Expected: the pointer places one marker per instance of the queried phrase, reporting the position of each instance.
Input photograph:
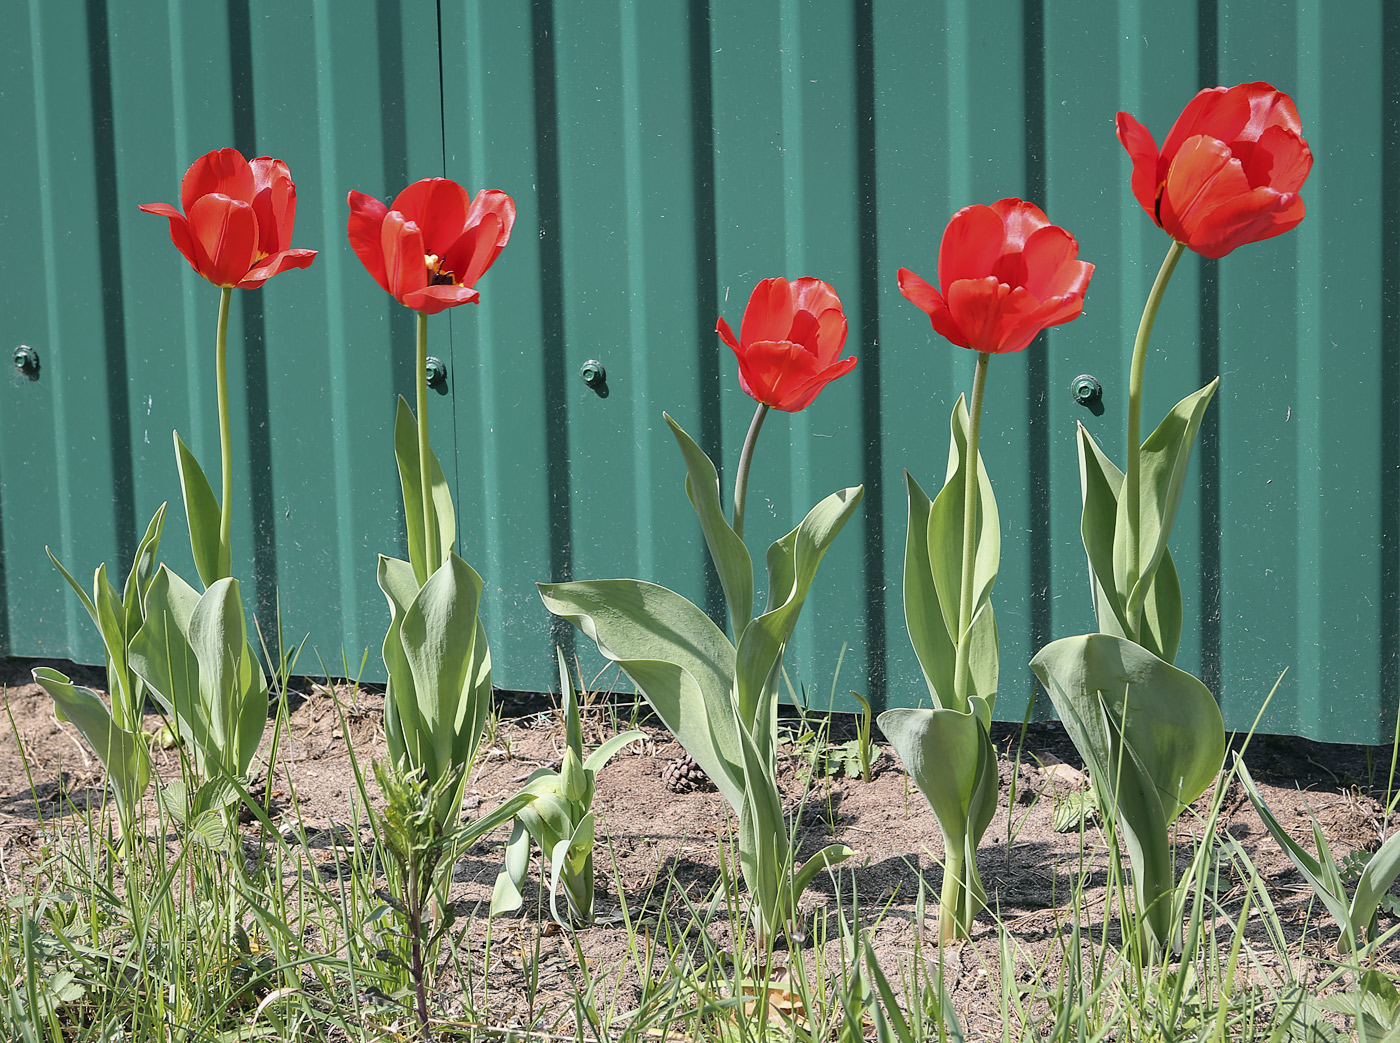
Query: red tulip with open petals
(1229, 172)
(236, 229)
(430, 245)
(1006, 273)
(789, 341)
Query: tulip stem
(425, 470)
(1134, 477)
(962, 682)
(741, 476)
(225, 438)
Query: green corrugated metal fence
(665, 155)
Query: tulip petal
(223, 172)
(1249, 218)
(1019, 220)
(1050, 269)
(1280, 160)
(475, 252)
(405, 265)
(919, 292)
(768, 316)
(225, 234)
(494, 201)
(1142, 149)
(179, 229)
(365, 229)
(726, 334)
(1216, 112)
(439, 208)
(275, 202)
(802, 396)
(1202, 175)
(276, 265)
(432, 299)
(985, 309)
(972, 243)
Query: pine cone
(683, 775)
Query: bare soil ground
(649, 836)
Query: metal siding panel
(503, 497)
(1092, 73)
(596, 140)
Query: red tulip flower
(789, 342)
(429, 246)
(236, 229)
(1006, 273)
(1229, 172)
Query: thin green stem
(225, 438)
(962, 667)
(741, 476)
(431, 550)
(1134, 475)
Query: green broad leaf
(143, 568)
(727, 550)
(1160, 629)
(598, 759)
(212, 558)
(77, 589)
(1165, 458)
(945, 528)
(123, 753)
(506, 896)
(983, 661)
(573, 724)
(233, 691)
(950, 757)
(1153, 740)
(679, 660)
(161, 655)
(445, 646)
(923, 614)
(820, 862)
(403, 727)
(411, 483)
(763, 834)
(1380, 872)
(792, 566)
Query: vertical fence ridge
(702, 146)
(1389, 672)
(1038, 355)
(1208, 438)
(871, 425)
(556, 415)
(110, 264)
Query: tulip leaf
(1159, 629)
(1153, 740)
(161, 655)
(945, 528)
(506, 896)
(193, 653)
(923, 614)
(143, 567)
(792, 566)
(951, 759)
(727, 550)
(212, 558)
(445, 648)
(1164, 460)
(403, 727)
(679, 660)
(233, 691)
(122, 752)
(411, 483)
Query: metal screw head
(593, 373)
(436, 370)
(1086, 389)
(26, 360)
